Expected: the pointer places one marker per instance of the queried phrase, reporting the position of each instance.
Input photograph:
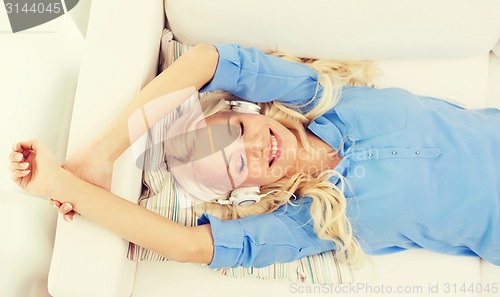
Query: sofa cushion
(337, 29)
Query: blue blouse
(424, 173)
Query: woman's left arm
(36, 170)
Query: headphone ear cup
(245, 196)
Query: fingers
(22, 150)
(16, 156)
(55, 203)
(18, 166)
(26, 145)
(17, 174)
(66, 209)
(69, 217)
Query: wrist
(57, 184)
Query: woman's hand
(34, 167)
(92, 164)
(66, 209)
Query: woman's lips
(270, 147)
(278, 147)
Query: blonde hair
(328, 207)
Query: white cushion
(462, 81)
(383, 29)
(416, 268)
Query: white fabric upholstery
(382, 29)
(496, 49)
(494, 81)
(39, 70)
(38, 75)
(464, 81)
(27, 227)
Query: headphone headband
(244, 106)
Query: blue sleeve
(261, 240)
(252, 75)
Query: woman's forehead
(216, 118)
(215, 136)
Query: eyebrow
(229, 131)
(211, 139)
(229, 124)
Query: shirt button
(394, 153)
(417, 153)
(370, 155)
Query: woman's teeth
(274, 147)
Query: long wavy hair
(328, 207)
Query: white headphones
(243, 197)
(249, 195)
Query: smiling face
(237, 150)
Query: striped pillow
(162, 196)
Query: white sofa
(39, 70)
(440, 49)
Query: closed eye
(242, 127)
(242, 168)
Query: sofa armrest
(496, 49)
(38, 77)
(494, 79)
(120, 57)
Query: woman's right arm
(246, 72)
(94, 162)
(193, 69)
